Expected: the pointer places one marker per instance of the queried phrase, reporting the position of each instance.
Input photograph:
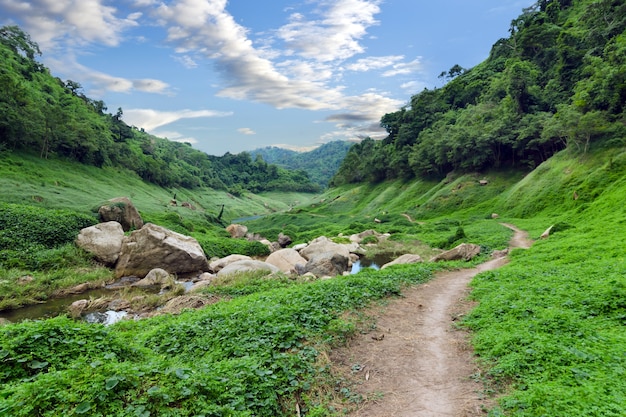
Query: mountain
(558, 81)
(320, 164)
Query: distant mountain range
(321, 164)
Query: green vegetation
(53, 118)
(558, 80)
(321, 163)
(548, 328)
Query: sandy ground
(415, 362)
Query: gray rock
(327, 264)
(157, 277)
(154, 246)
(123, 211)
(237, 230)
(247, 266)
(103, 241)
(284, 240)
(404, 259)
(217, 266)
(286, 260)
(323, 245)
(465, 251)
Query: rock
(327, 264)
(300, 246)
(77, 289)
(465, 251)
(25, 279)
(217, 266)
(546, 234)
(252, 265)
(188, 205)
(157, 277)
(204, 280)
(404, 259)
(78, 307)
(358, 237)
(237, 230)
(377, 221)
(495, 215)
(4, 322)
(286, 260)
(284, 240)
(483, 182)
(323, 245)
(118, 305)
(499, 253)
(205, 276)
(123, 211)
(183, 302)
(154, 246)
(103, 241)
(274, 246)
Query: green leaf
(4, 353)
(181, 373)
(83, 407)
(35, 364)
(112, 382)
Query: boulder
(465, 251)
(252, 265)
(358, 237)
(237, 230)
(327, 264)
(217, 266)
(404, 259)
(323, 245)
(123, 211)
(284, 240)
(300, 246)
(103, 241)
(155, 278)
(154, 246)
(500, 253)
(78, 307)
(286, 260)
(184, 302)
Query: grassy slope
(550, 323)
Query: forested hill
(42, 114)
(321, 163)
(558, 81)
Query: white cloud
(175, 136)
(151, 119)
(296, 148)
(414, 86)
(404, 68)
(246, 131)
(186, 61)
(335, 35)
(374, 63)
(73, 21)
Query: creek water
(374, 262)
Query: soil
(416, 362)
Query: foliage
(558, 81)
(53, 118)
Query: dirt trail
(415, 363)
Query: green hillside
(534, 136)
(321, 164)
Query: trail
(415, 363)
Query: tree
(19, 41)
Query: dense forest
(321, 163)
(558, 81)
(54, 118)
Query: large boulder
(327, 264)
(287, 260)
(237, 230)
(218, 265)
(103, 240)
(252, 265)
(323, 245)
(123, 211)
(408, 258)
(464, 251)
(154, 246)
(284, 240)
(156, 278)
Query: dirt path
(415, 363)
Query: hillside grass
(548, 329)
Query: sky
(233, 76)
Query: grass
(548, 329)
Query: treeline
(321, 163)
(44, 114)
(558, 81)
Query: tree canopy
(44, 114)
(558, 81)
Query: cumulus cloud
(404, 68)
(150, 119)
(246, 131)
(73, 21)
(374, 63)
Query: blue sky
(230, 76)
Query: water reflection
(106, 318)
